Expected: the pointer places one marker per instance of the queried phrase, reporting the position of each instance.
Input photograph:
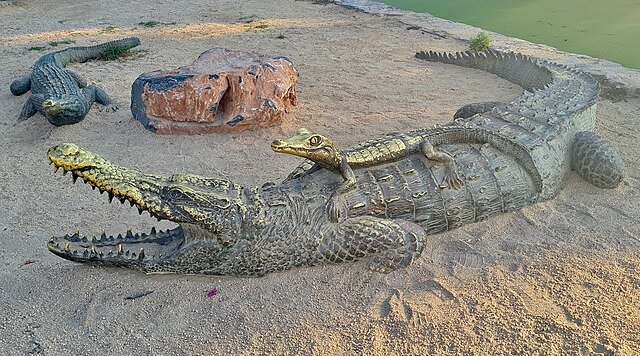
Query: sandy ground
(557, 277)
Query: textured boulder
(221, 91)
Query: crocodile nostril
(277, 143)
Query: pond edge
(617, 82)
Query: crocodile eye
(315, 140)
(175, 193)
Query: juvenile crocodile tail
(85, 53)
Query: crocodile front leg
(452, 178)
(94, 94)
(336, 206)
(391, 244)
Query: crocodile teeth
(141, 254)
(74, 177)
(55, 169)
(110, 197)
(120, 249)
(67, 247)
(64, 172)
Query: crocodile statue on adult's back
(63, 96)
(225, 228)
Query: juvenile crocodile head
(210, 214)
(66, 110)
(313, 146)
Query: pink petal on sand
(212, 292)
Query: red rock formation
(221, 91)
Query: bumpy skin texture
(516, 154)
(61, 95)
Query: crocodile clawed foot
(336, 209)
(109, 108)
(452, 180)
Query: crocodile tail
(85, 53)
(555, 91)
(514, 67)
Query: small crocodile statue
(324, 153)
(59, 94)
(227, 229)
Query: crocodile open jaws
(225, 229)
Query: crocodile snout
(278, 144)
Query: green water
(600, 28)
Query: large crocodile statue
(226, 229)
(63, 96)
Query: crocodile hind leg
(95, 94)
(475, 108)
(596, 161)
(391, 244)
(451, 178)
(20, 86)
